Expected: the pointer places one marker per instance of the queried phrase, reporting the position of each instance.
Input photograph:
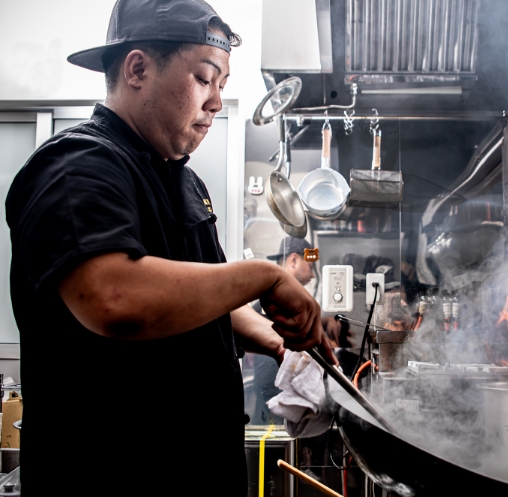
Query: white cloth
(303, 401)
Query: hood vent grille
(416, 41)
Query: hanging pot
(281, 196)
(324, 191)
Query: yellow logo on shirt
(208, 205)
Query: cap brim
(90, 58)
(274, 257)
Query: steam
(456, 419)
(450, 423)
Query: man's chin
(190, 147)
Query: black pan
(396, 465)
(405, 470)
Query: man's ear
(135, 68)
(292, 260)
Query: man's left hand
(332, 329)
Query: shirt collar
(103, 115)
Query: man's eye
(204, 81)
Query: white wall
(37, 36)
(246, 83)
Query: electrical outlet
(369, 294)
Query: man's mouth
(202, 127)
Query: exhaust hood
(415, 54)
(400, 42)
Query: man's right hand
(296, 316)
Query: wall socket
(370, 290)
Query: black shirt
(116, 412)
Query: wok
(406, 470)
(393, 463)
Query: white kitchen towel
(303, 402)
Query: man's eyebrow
(210, 62)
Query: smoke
(446, 411)
(447, 418)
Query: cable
(418, 322)
(330, 452)
(364, 366)
(366, 332)
(344, 477)
(328, 444)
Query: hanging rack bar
(302, 119)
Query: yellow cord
(262, 460)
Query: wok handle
(307, 479)
(376, 157)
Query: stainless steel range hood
(412, 44)
(413, 52)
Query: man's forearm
(149, 298)
(255, 333)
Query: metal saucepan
(324, 191)
(281, 196)
(294, 231)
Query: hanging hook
(348, 122)
(326, 124)
(374, 122)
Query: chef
(129, 315)
(290, 257)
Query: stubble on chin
(189, 147)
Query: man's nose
(214, 102)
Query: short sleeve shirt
(93, 189)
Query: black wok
(405, 470)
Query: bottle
(447, 309)
(422, 309)
(455, 310)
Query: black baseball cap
(154, 20)
(290, 245)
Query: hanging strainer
(375, 187)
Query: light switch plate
(337, 288)
(370, 290)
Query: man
(125, 305)
(290, 257)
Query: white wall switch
(370, 290)
(337, 288)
